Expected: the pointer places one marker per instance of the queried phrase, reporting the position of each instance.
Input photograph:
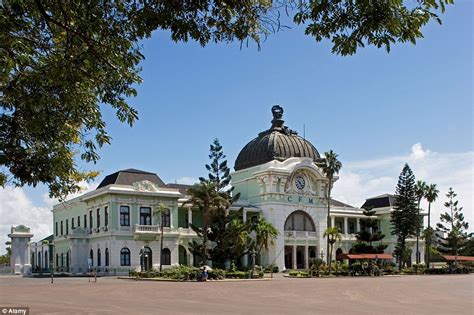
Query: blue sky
(371, 108)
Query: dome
(277, 143)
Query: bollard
(95, 276)
(52, 277)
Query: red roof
(459, 258)
(368, 256)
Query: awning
(459, 258)
(367, 256)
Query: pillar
(358, 224)
(294, 257)
(244, 216)
(345, 226)
(306, 257)
(333, 219)
(190, 217)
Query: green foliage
(62, 61)
(265, 234)
(468, 249)
(368, 235)
(353, 24)
(272, 268)
(333, 236)
(299, 274)
(219, 172)
(236, 275)
(405, 213)
(453, 226)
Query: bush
(216, 274)
(236, 274)
(299, 274)
(181, 273)
(272, 268)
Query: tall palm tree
(207, 199)
(160, 210)
(334, 235)
(265, 233)
(420, 191)
(431, 195)
(330, 166)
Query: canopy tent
(458, 258)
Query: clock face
(299, 182)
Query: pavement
(436, 294)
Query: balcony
(146, 232)
(301, 235)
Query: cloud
(16, 208)
(187, 180)
(364, 179)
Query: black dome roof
(277, 143)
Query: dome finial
(277, 121)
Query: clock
(300, 182)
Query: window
(124, 257)
(78, 220)
(72, 223)
(339, 226)
(124, 215)
(91, 224)
(98, 218)
(91, 257)
(62, 259)
(57, 260)
(166, 256)
(67, 259)
(351, 228)
(67, 226)
(299, 221)
(56, 229)
(62, 231)
(106, 216)
(99, 258)
(166, 218)
(145, 216)
(106, 256)
(85, 221)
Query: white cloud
(16, 208)
(187, 180)
(364, 179)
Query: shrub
(216, 274)
(300, 274)
(236, 274)
(181, 273)
(272, 268)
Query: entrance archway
(339, 253)
(183, 255)
(146, 258)
(299, 229)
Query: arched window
(99, 258)
(57, 260)
(91, 257)
(67, 259)
(124, 257)
(299, 221)
(166, 257)
(106, 256)
(62, 259)
(166, 218)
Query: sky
(376, 110)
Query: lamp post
(321, 254)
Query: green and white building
(116, 227)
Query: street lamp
(321, 254)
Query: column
(345, 226)
(358, 224)
(333, 221)
(244, 216)
(294, 257)
(190, 217)
(245, 259)
(306, 257)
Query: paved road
(383, 295)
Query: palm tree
(420, 191)
(330, 166)
(160, 210)
(431, 195)
(206, 198)
(265, 233)
(333, 236)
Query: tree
(265, 234)
(468, 249)
(333, 235)
(207, 200)
(330, 166)
(368, 235)
(62, 62)
(219, 172)
(405, 213)
(453, 227)
(160, 210)
(421, 189)
(431, 196)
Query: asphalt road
(446, 294)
